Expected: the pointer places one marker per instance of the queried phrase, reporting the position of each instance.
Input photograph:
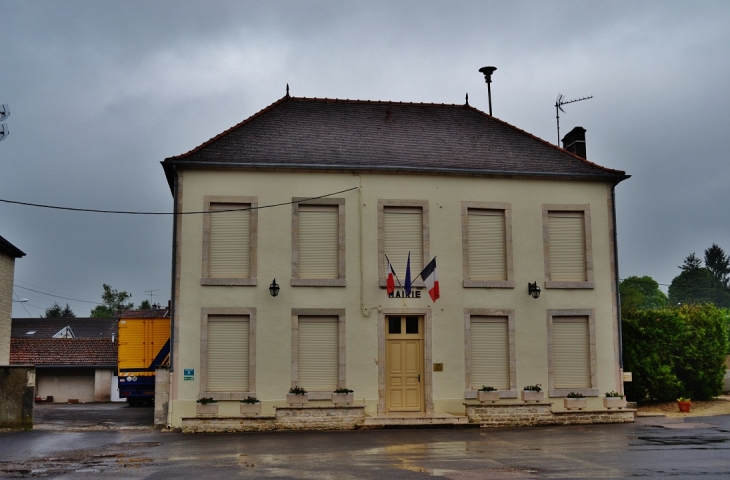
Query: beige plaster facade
(7, 271)
(360, 298)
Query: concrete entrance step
(416, 419)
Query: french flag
(389, 277)
(431, 279)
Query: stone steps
(412, 420)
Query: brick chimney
(575, 141)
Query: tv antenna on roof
(151, 293)
(559, 102)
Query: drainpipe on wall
(618, 294)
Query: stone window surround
(586, 209)
(489, 312)
(509, 282)
(427, 353)
(231, 311)
(341, 347)
(423, 204)
(206, 279)
(563, 392)
(340, 281)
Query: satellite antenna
(559, 102)
(4, 113)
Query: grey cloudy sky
(101, 92)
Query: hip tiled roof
(63, 351)
(296, 133)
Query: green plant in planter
(614, 394)
(343, 391)
(486, 388)
(250, 400)
(533, 388)
(684, 399)
(575, 395)
(297, 391)
(206, 400)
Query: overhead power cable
(57, 296)
(125, 212)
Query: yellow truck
(144, 345)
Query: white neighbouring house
(315, 192)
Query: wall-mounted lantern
(274, 288)
(533, 290)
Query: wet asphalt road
(59, 416)
(650, 448)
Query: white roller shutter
(230, 240)
(318, 241)
(403, 232)
(567, 246)
(318, 353)
(489, 352)
(486, 245)
(571, 353)
(227, 354)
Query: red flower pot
(684, 406)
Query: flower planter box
(292, 399)
(684, 406)
(207, 409)
(343, 398)
(575, 403)
(614, 402)
(251, 408)
(531, 396)
(484, 397)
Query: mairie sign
(401, 293)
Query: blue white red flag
(431, 279)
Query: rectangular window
(229, 241)
(318, 242)
(228, 353)
(318, 351)
(568, 252)
(487, 244)
(403, 228)
(571, 352)
(489, 352)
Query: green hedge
(675, 352)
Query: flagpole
(394, 274)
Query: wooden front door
(404, 364)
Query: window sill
(472, 394)
(567, 285)
(563, 392)
(489, 284)
(318, 282)
(221, 396)
(228, 281)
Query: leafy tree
(56, 311)
(113, 300)
(641, 293)
(718, 263)
(691, 263)
(67, 312)
(145, 305)
(698, 286)
(675, 352)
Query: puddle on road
(685, 440)
(80, 461)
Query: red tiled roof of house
(333, 134)
(63, 351)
